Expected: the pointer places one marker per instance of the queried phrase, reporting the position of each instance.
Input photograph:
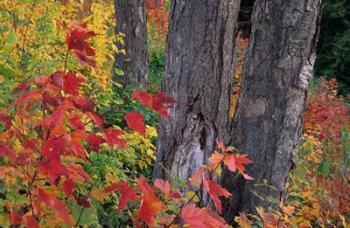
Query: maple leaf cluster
(155, 209)
(157, 16)
(326, 114)
(76, 41)
(50, 131)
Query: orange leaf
(237, 162)
(215, 159)
(150, 203)
(201, 217)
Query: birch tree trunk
(131, 20)
(269, 116)
(198, 73)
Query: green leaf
(11, 38)
(346, 143)
(118, 72)
(88, 216)
(323, 169)
(6, 72)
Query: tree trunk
(131, 20)
(198, 73)
(268, 120)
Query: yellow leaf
(192, 195)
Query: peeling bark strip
(131, 20)
(198, 73)
(268, 121)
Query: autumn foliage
(157, 17)
(50, 132)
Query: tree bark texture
(268, 121)
(131, 21)
(198, 73)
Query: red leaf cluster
(76, 41)
(150, 203)
(135, 122)
(159, 102)
(157, 16)
(127, 193)
(61, 209)
(326, 114)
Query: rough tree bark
(268, 120)
(131, 20)
(198, 73)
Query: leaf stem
(80, 215)
(66, 61)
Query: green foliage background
(333, 53)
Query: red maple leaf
(143, 97)
(68, 187)
(98, 120)
(150, 203)
(72, 83)
(6, 150)
(61, 209)
(215, 190)
(30, 144)
(5, 119)
(76, 40)
(21, 87)
(84, 58)
(30, 222)
(41, 80)
(50, 100)
(159, 102)
(55, 119)
(127, 193)
(53, 148)
(135, 122)
(113, 138)
(95, 141)
(33, 95)
(15, 217)
(83, 104)
(75, 121)
(56, 79)
(76, 172)
(68, 82)
(54, 169)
